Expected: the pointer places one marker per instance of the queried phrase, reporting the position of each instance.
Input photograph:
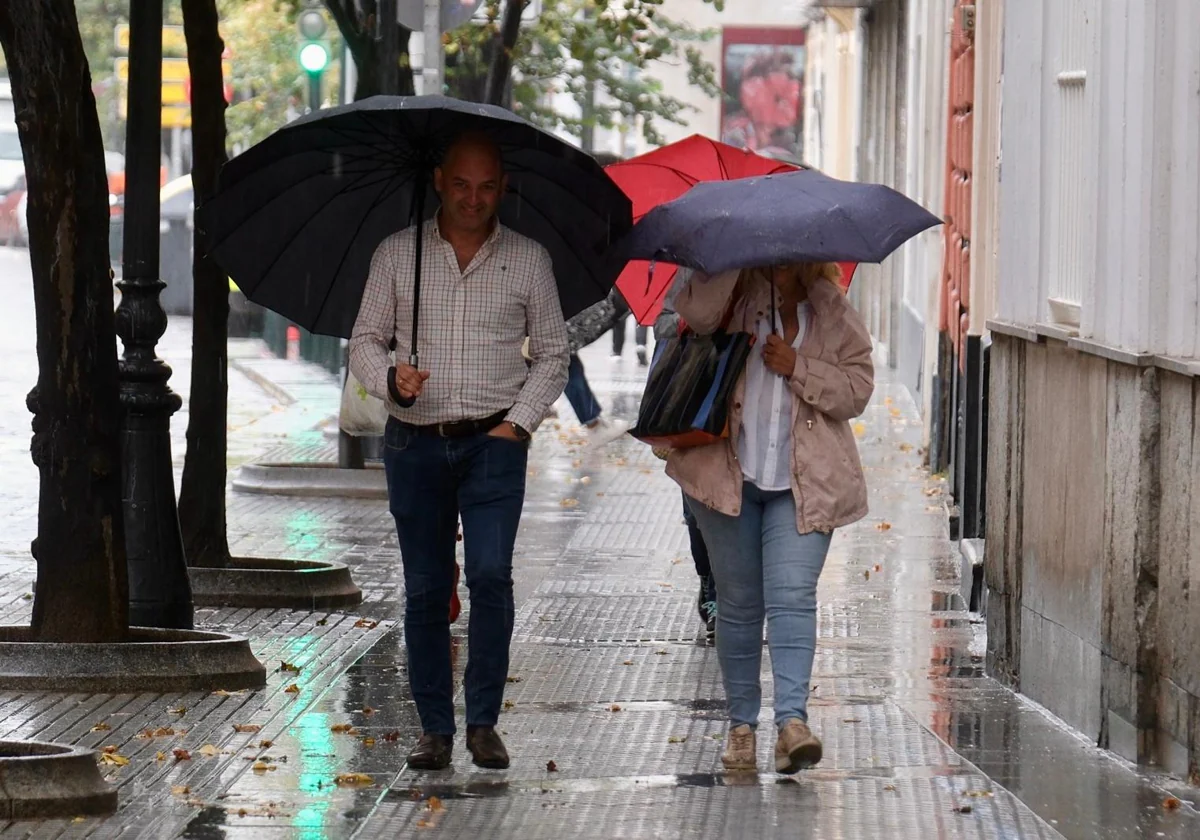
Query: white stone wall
(1100, 191)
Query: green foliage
(600, 52)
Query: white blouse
(765, 437)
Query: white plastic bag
(361, 415)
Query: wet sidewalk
(614, 704)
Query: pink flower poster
(762, 72)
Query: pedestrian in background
(640, 333)
(769, 497)
(461, 447)
(666, 327)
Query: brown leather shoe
(797, 748)
(486, 747)
(432, 752)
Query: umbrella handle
(408, 402)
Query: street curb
(276, 391)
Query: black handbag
(686, 400)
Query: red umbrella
(664, 175)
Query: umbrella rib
(286, 245)
(215, 245)
(384, 195)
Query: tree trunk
(356, 21)
(501, 68)
(202, 493)
(82, 591)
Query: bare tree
(202, 493)
(82, 589)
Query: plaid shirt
(472, 326)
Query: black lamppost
(159, 592)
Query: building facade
(1093, 525)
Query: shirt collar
(494, 237)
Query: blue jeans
(579, 393)
(431, 482)
(764, 569)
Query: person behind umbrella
(461, 448)
(769, 497)
(666, 327)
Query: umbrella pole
(414, 358)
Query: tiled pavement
(611, 684)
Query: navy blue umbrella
(773, 219)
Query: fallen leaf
(662, 652)
(551, 767)
(109, 750)
(614, 708)
(884, 526)
(458, 537)
(889, 787)
(979, 794)
(392, 737)
(1171, 803)
(895, 412)
(620, 462)
(160, 756)
(569, 503)
(101, 727)
(627, 662)
(28, 596)
(677, 739)
(289, 668)
(906, 447)
(964, 808)
(587, 479)
(508, 704)
(178, 710)
(368, 741)
(866, 574)
(321, 622)
(342, 729)
(265, 745)
(209, 750)
(220, 692)
(181, 755)
(368, 711)
(180, 790)
(851, 720)
(366, 624)
(261, 767)
(353, 780)
(577, 463)
(292, 689)
(932, 491)
(879, 567)
(513, 679)
(434, 804)
(887, 401)
(246, 727)
(114, 759)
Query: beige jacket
(832, 383)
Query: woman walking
(768, 498)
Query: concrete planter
(288, 584)
(312, 479)
(40, 780)
(153, 660)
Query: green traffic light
(314, 57)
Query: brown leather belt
(459, 428)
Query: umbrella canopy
(664, 175)
(795, 217)
(297, 218)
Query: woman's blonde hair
(807, 272)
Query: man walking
(461, 447)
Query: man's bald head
(471, 183)
(473, 144)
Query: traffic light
(314, 49)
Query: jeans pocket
(396, 437)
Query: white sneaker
(605, 431)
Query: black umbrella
(297, 218)
(792, 217)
